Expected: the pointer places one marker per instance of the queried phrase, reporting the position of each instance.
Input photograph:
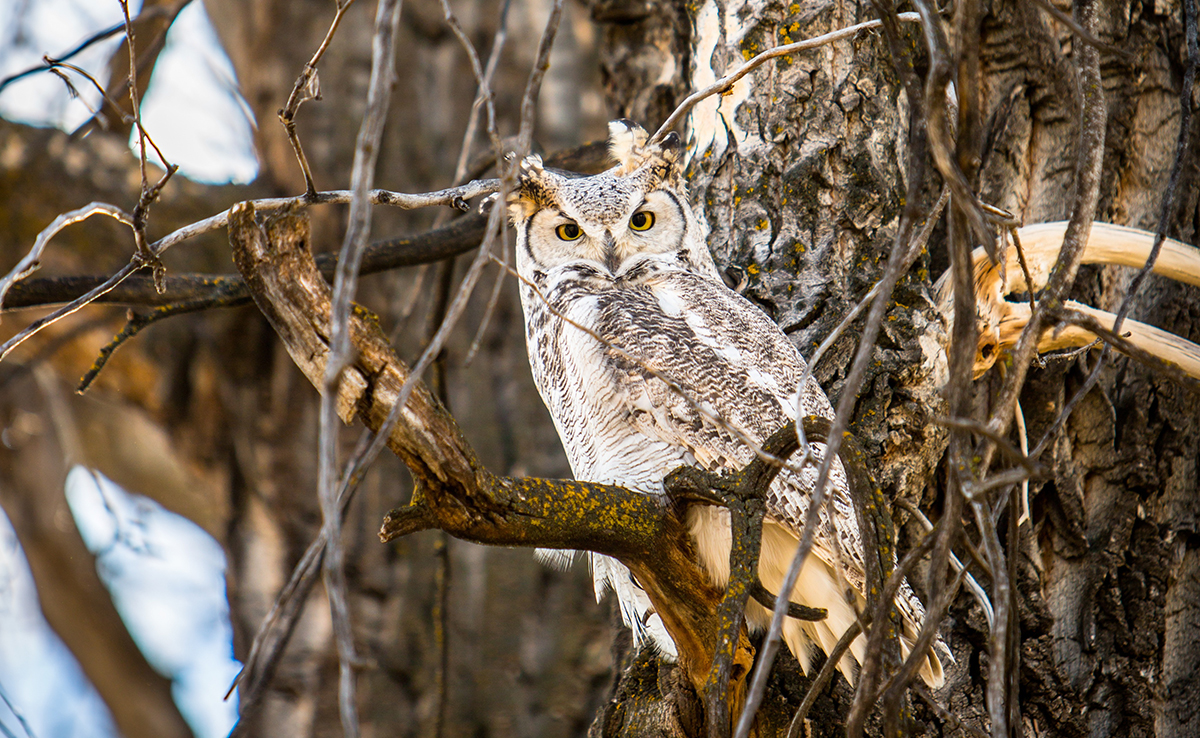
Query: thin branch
(533, 87)
(32, 261)
(53, 65)
(358, 229)
(308, 87)
(16, 713)
(853, 383)
(744, 494)
(48, 62)
(149, 193)
(981, 595)
(947, 716)
(69, 309)
(725, 83)
(1092, 325)
(1088, 170)
(276, 629)
(914, 250)
(483, 78)
(1082, 33)
(895, 688)
(381, 256)
(865, 692)
(821, 680)
(998, 639)
(483, 98)
(135, 324)
(1182, 145)
(766, 598)
(973, 426)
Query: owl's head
(636, 210)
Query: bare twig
(977, 590)
(1016, 238)
(1082, 33)
(854, 379)
(1092, 325)
(895, 688)
(16, 713)
(308, 87)
(1001, 442)
(914, 250)
(454, 196)
(949, 717)
(53, 65)
(493, 301)
(483, 77)
(821, 680)
(1093, 122)
(998, 639)
(68, 309)
(726, 82)
(275, 630)
(534, 86)
(149, 193)
(366, 153)
(31, 261)
(880, 626)
(483, 98)
(48, 62)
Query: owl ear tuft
(630, 145)
(531, 166)
(532, 190)
(671, 147)
(627, 144)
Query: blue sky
(191, 108)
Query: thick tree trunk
(800, 171)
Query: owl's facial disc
(634, 227)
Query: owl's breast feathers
(674, 368)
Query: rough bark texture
(800, 174)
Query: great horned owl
(622, 299)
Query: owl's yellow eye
(641, 220)
(569, 232)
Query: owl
(622, 300)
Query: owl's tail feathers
(818, 586)
(931, 671)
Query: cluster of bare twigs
(977, 499)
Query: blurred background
(189, 467)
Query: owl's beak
(610, 253)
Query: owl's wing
(699, 367)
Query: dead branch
(458, 237)
(308, 87)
